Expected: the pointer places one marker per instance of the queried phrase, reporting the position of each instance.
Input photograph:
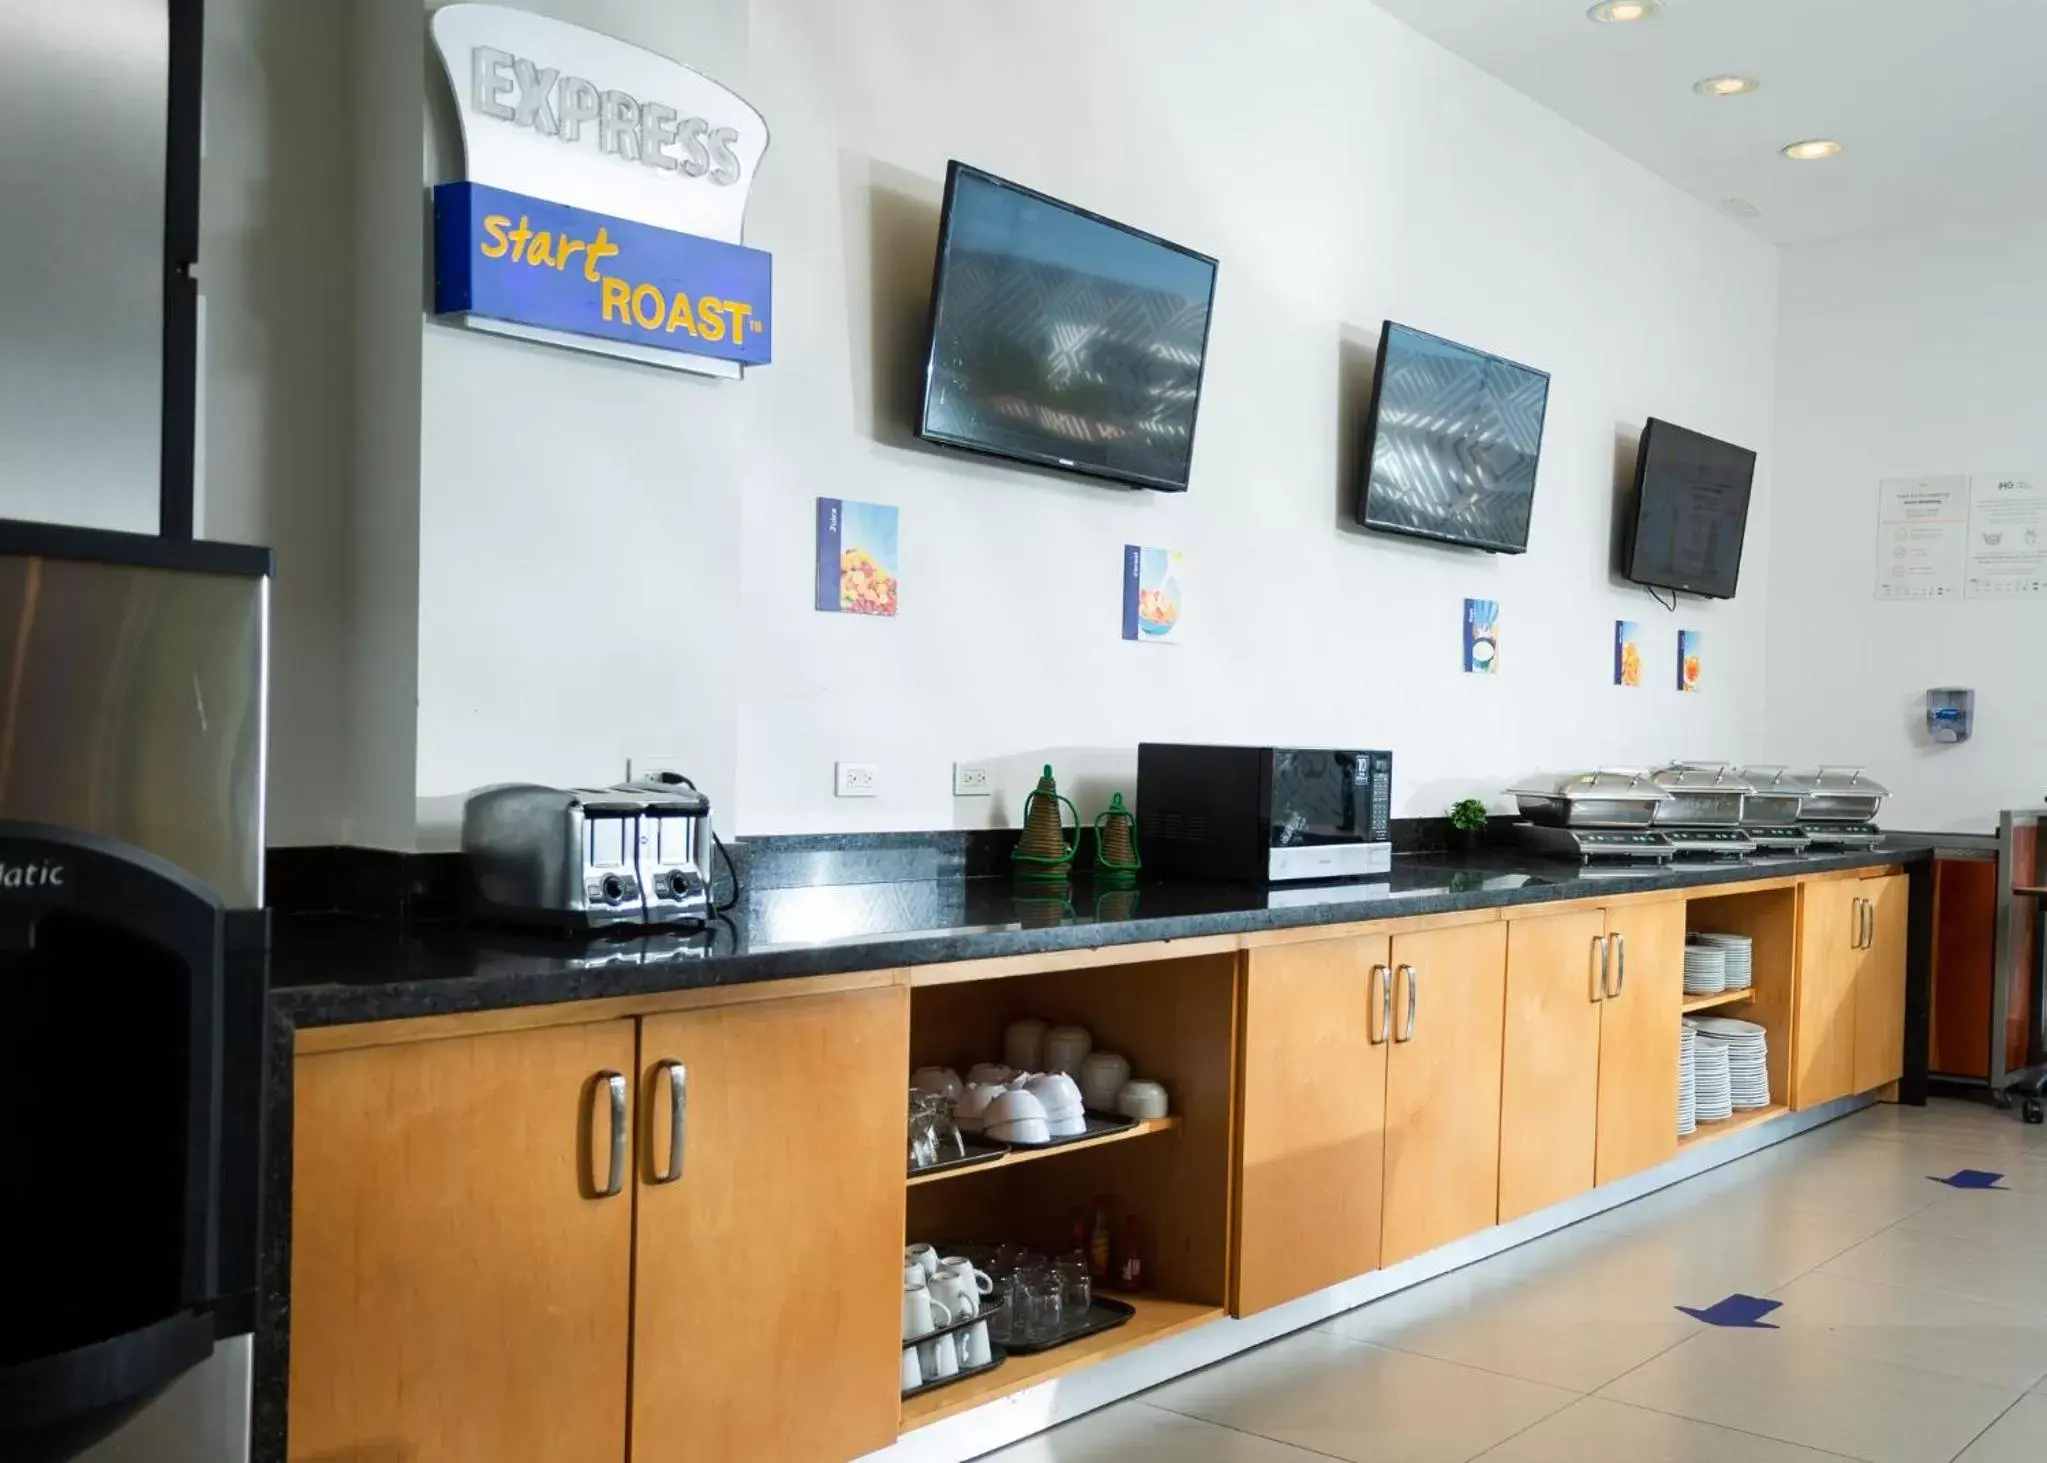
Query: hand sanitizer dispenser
(1950, 714)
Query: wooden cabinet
(767, 1310)
(497, 1241)
(1638, 1039)
(458, 1290)
(1443, 1087)
(1830, 932)
(1550, 1070)
(1317, 1023)
(1880, 984)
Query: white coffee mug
(1066, 1047)
(913, 1370)
(1102, 1077)
(973, 1345)
(961, 1268)
(917, 1310)
(938, 1357)
(958, 1288)
(923, 1257)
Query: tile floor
(1913, 1329)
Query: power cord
(1650, 589)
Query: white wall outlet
(856, 779)
(970, 780)
(647, 766)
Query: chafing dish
(1840, 795)
(1604, 799)
(1776, 799)
(1700, 795)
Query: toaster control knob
(614, 888)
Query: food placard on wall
(603, 197)
(1689, 663)
(1627, 653)
(858, 563)
(1482, 637)
(1154, 595)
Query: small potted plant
(1467, 822)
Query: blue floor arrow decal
(1970, 1178)
(1737, 1310)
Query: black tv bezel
(1748, 499)
(954, 169)
(1364, 497)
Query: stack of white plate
(1687, 1087)
(1740, 952)
(1705, 970)
(1712, 1078)
(1748, 1057)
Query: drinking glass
(934, 1136)
(1076, 1288)
(1043, 1305)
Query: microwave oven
(1264, 814)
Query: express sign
(604, 199)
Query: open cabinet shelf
(1725, 998)
(1031, 1155)
(1707, 1132)
(1155, 1320)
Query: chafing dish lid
(1842, 782)
(1696, 777)
(1609, 784)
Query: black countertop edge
(337, 969)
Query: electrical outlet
(647, 766)
(970, 780)
(857, 779)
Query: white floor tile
(1131, 1432)
(2020, 1436)
(1993, 1216)
(1598, 1431)
(1784, 1386)
(1923, 1260)
(1359, 1402)
(1935, 1332)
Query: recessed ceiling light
(1813, 150)
(1619, 12)
(1726, 86)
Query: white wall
(1343, 170)
(1915, 353)
(550, 563)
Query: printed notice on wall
(2007, 537)
(1922, 537)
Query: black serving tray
(996, 1357)
(1098, 1124)
(976, 1154)
(1103, 1315)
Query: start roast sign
(604, 196)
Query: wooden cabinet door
(1880, 986)
(1443, 1088)
(767, 1283)
(1549, 1071)
(457, 1290)
(1823, 1040)
(1312, 1126)
(1639, 1029)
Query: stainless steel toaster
(586, 858)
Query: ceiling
(1939, 103)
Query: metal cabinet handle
(1620, 965)
(1855, 938)
(1382, 977)
(1869, 924)
(678, 1115)
(1413, 981)
(1604, 958)
(613, 1084)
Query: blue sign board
(506, 256)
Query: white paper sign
(2007, 537)
(1922, 537)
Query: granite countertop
(335, 969)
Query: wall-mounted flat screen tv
(1451, 443)
(1691, 511)
(1063, 339)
